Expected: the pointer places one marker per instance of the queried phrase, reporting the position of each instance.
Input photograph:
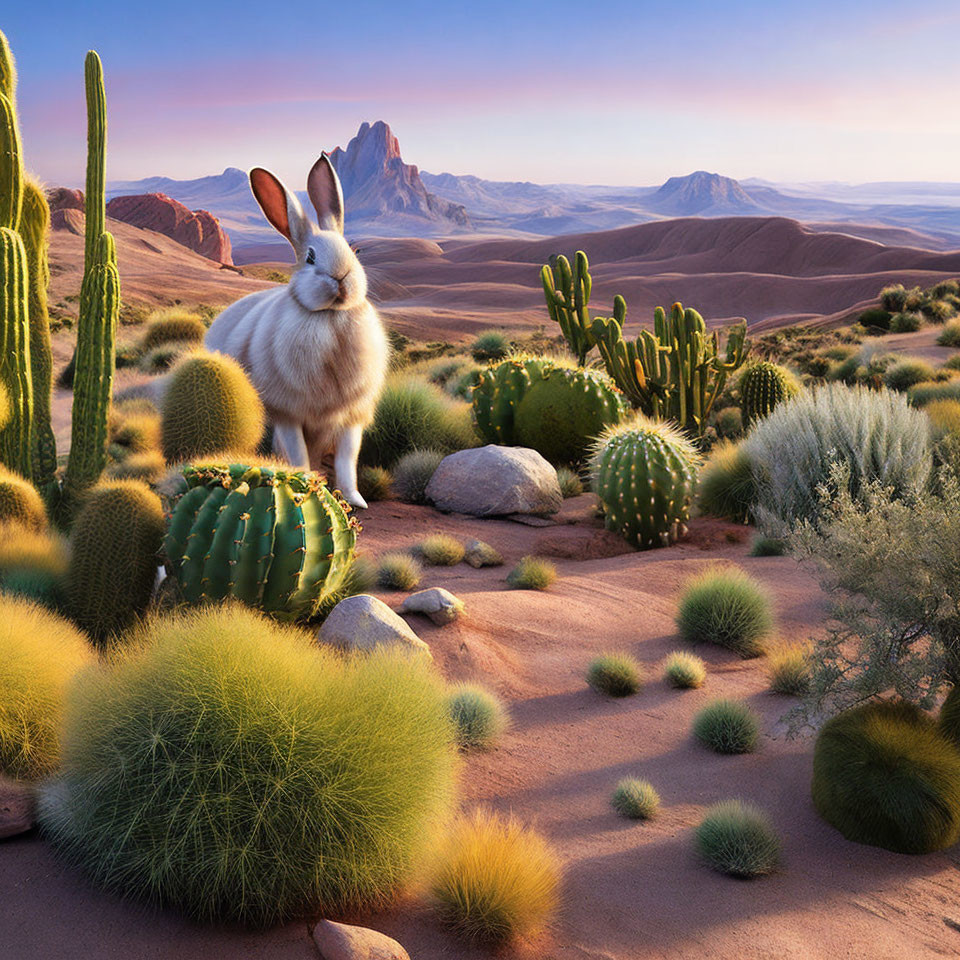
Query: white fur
(314, 349)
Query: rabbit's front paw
(354, 499)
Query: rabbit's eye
(311, 256)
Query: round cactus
(20, 502)
(274, 539)
(498, 392)
(762, 386)
(209, 405)
(114, 553)
(563, 410)
(644, 473)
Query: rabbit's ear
(279, 206)
(323, 188)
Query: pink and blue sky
(611, 91)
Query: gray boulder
(364, 623)
(440, 605)
(343, 941)
(494, 481)
(479, 554)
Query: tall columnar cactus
(644, 473)
(568, 300)
(677, 371)
(274, 539)
(498, 393)
(99, 309)
(763, 385)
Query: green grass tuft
(440, 550)
(489, 346)
(479, 717)
(635, 799)
(374, 483)
(767, 547)
(905, 373)
(736, 838)
(684, 670)
(570, 483)
(412, 473)
(398, 571)
(727, 487)
(789, 670)
(532, 573)
(727, 726)
(615, 674)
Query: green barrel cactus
(114, 555)
(279, 540)
(644, 473)
(563, 411)
(498, 393)
(763, 385)
(20, 502)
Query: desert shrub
(893, 298)
(490, 345)
(615, 674)
(413, 471)
(684, 670)
(20, 501)
(923, 393)
(730, 422)
(635, 799)
(170, 326)
(944, 416)
(570, 483)
(413, 414)
(905, 373)
(496, 879)
(767, 547)
(209, 405)
(229, 767)
(398, 571)
(440, 550)
(873, 432)
(950, 334)
(532, 573)
(147, 467)
(789, 669)
(727, 487)
(945, 288)
(884, 775)
(479, 718)
(444, 369)
(937, 311)
(952, 363)
(906, 322)
(374, 483)
(727, 726)
(736, 838)
(725, 606)
(876, 317)
(41, 653)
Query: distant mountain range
(387, 197)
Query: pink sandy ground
(631, 890)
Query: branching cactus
(675, 373)
(498, 393)
(645, 473)
(568, 300)
(763, 385)
(273, 539)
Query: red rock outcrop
(63, 198)
(198, 230)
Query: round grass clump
(727, 487)
(20, 501)
(684, 670)
(374, 483)
(496, 879)
(440, 550)
(615, 674)
(893, 298)
(767, 547)
(905, 373)
(908, 321)
(398, 571)
(922, 394)
(479, 718)
(944, 418)
(885, 775)
(726, 607)
(736, 838)
(227, 766)
(727, 726)
(172, 326)
(39, 654)
(950, 334)
(635, 799)
(490, 345)
(412, 473)
(570, 483)
(876, 317)
(532, 573)
(789, 670)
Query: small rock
(440, 605)
(343, 941)
(494, 481)
(364, 623)
(17, 808)
(479, 554)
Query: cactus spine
(274, 539)
(99, 308)
(644, 473)
(763, 385)
(568, 300)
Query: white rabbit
(314, 349)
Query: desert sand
(632, 891)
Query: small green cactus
(114, 555)
(568, 301)
(274, 539)
(498, 393)
(645, 473)
(763, 385)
